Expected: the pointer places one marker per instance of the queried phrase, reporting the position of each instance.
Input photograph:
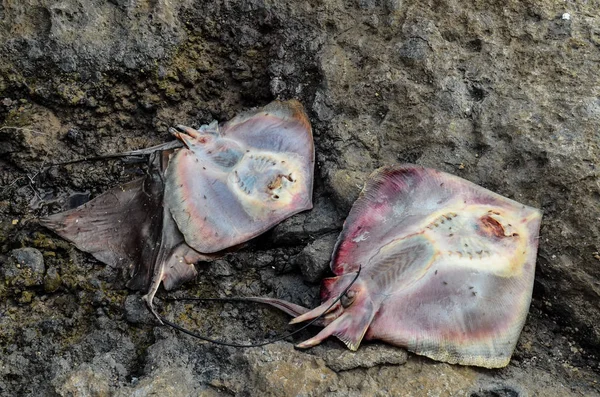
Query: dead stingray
(447, 269)
(226, 186)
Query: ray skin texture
(228, 184)
(447, 269)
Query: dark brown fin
(128, 226)
(118, 227)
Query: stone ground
(505, 94)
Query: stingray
(227, 185)
(446, 269)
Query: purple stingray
(228, 184)
(447, 269)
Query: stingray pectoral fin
(112, 225)
(277, 127)
(350, 327)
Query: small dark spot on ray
(203, 168)
(515, 234)
(445, 283)
(471, 287)
(474, 293)
(451, 234)
(436, 272)
(204, 197)
(466, 245)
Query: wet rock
(24, 268)
(314, 259)
(339, 358)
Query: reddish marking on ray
(491, 227)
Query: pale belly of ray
(457, 242)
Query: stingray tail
(290, 308)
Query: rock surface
(314, 259)
(506, 95)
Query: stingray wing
(235, 182)
(110, 227)
(454, 261)
(128, 226)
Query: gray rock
(322, 219)
(52, 280)
(85, 382)
(502, 94)
(136, 312)
(220, 268)
(339, 358)
(24, 268)
(283, 371)
(88, 36)
(176, 382)
(314, 259)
